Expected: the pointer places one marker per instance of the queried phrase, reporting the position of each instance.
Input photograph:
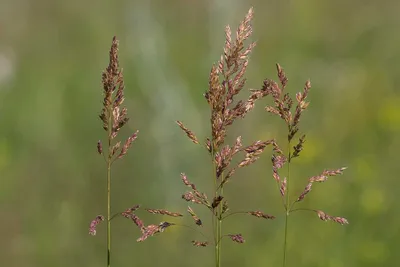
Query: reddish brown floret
(238, 238)
(217, 200)
(127, 144)
(194, 216)
(190, 197)
(153, 229)
(305, 192)
(164, 212)
(325, 217)
(188, 132)
(283, 187)
(94, 223)
(99, 147)
(260, 214)
(199, 243)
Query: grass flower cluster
(226, 81)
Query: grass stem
(109, 163)
(109, 213)
(219, 244)
(287, 208)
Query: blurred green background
(53, 182)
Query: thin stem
(115, 215)
(109, 162)
(287, 207)
(109, 213)
(194, 229)
(219, 237)
(292, 205)
(222, 238)
(214, 223)
(216, 246)
(233, 213)
(302, 209)
(216, 216)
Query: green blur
(53, 182)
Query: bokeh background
(53, 182)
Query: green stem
(109, 163)
(194, 229)
(109, 213)
(287, 208)
(302, 209)
(217, 217)
(219, 232)
(214, 223)
(233, 213)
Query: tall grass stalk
(225, 82)
(114, 117)
(287, 208)
(291, 114)
(108, 214)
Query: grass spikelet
(164, 212)
(260, 214)
(188, 132)
(199, 243)
(94, 223)
(238, 238)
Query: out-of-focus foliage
(53, 182)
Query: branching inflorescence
(226, 81)
(283, 106)
(114, 117)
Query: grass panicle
(114, 117)
(226, 81)
(290, 111)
